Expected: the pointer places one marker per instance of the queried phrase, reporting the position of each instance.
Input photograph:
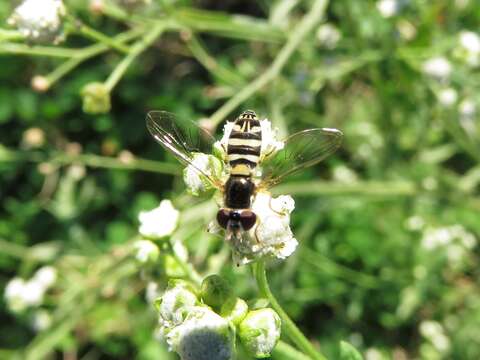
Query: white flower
(14, 294)
(406, 29)
(159, 222)
(447, 97)
(271, 236)
(469, 43)
(33, 293)
(260, 331)
(270, 144)
(388, 8)
(415, 223)
(173, 305)
(196, 182)
(203, 335)
(39, 20)
(454, 241)
(151, 292)
(467, 108)
(438, 68)
(20, 294)
(344, 174)
(328, 35)
(41, 320)
(433, 331)
(146, 251)
(46, 276)
(374, 354)
(222, 144)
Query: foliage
(387, 228)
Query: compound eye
(223, 216)
(248, 219)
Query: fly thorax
(238, 192)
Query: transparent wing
(302, 149)
(181, 138)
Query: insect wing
(181, 138)
(301, 150)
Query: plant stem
(285, 351)
(92, 160)
(93, 34)
(10, 35)
(292, 331)
(86, 54)
(187, 268)
(23, 49)
(136, 50)
(368, 188)
(309, 21)
(223, 73)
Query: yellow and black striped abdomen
(244, 144)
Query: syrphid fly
(251, 164)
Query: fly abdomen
(244, 144)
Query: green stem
(93, 34)
(136, 50)
(367, 188)
(292, 331)
(22, 49)
(223, 73)
(227, 25)
(115, 163)
(92, 160)
(309, 21)
(187, 268)
(285, 351)
(87, 53)
(11, 35)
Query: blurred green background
(388, 227)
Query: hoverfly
(245, 155)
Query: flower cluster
(434, 333)
(468, 48)
(271, 236)
(328, 35)
(22, 294)
(159, 222)
(442, 68)
(40, 21)
(455, 241)
(205, 324)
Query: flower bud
(33, 138)
(146, 251)
(96, 98)
(260, 331)
(203, 335)
(234, 310)
(40, 83)
(215, 290)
